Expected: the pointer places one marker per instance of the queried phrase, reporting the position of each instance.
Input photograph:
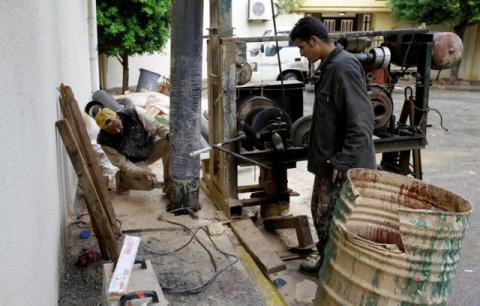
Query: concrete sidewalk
(459, 85)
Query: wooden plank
(71, 112)
(103, 231)
(299, 223)
(257, 246)
(249, 188)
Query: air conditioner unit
(259, 10)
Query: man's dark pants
(324, 195)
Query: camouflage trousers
(324, 196)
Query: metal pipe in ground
(186, 82)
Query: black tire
(292, 76)
(300, 131)
(93, 107)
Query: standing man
(342, 124)
(132, 140)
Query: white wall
(160, 62)
(244, 27)
(42, 43)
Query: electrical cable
(208, 283)
(408, 93)
(425, 113)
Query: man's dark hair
(307, 27)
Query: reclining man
(132, 140)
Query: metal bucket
(393, 241)
(147, 80)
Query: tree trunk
(459, 30)
(125, 72)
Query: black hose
(207, 284)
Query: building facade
(42, 43)
(365, 15)
(351, 15)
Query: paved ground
(144, 214)
(451, 161)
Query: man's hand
(149, 175)
(337, 175)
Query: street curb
(457, 87)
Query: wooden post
(103, 231)
(222, 178)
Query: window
(366, 22)
(271, 48)
(346, 25)
(330, 25)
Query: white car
(264, 62)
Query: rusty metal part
(248, 107)
(408, 109)
(447, 50)
(275, 196)
(274, 182)
(377, 76)
(244, 73)
(299, 223)
(271, 194)
(382, 105)
(355, 44)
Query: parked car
(262, 57)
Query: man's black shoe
(311, 267)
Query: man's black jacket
(343, 119)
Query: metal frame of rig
(254, 114)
